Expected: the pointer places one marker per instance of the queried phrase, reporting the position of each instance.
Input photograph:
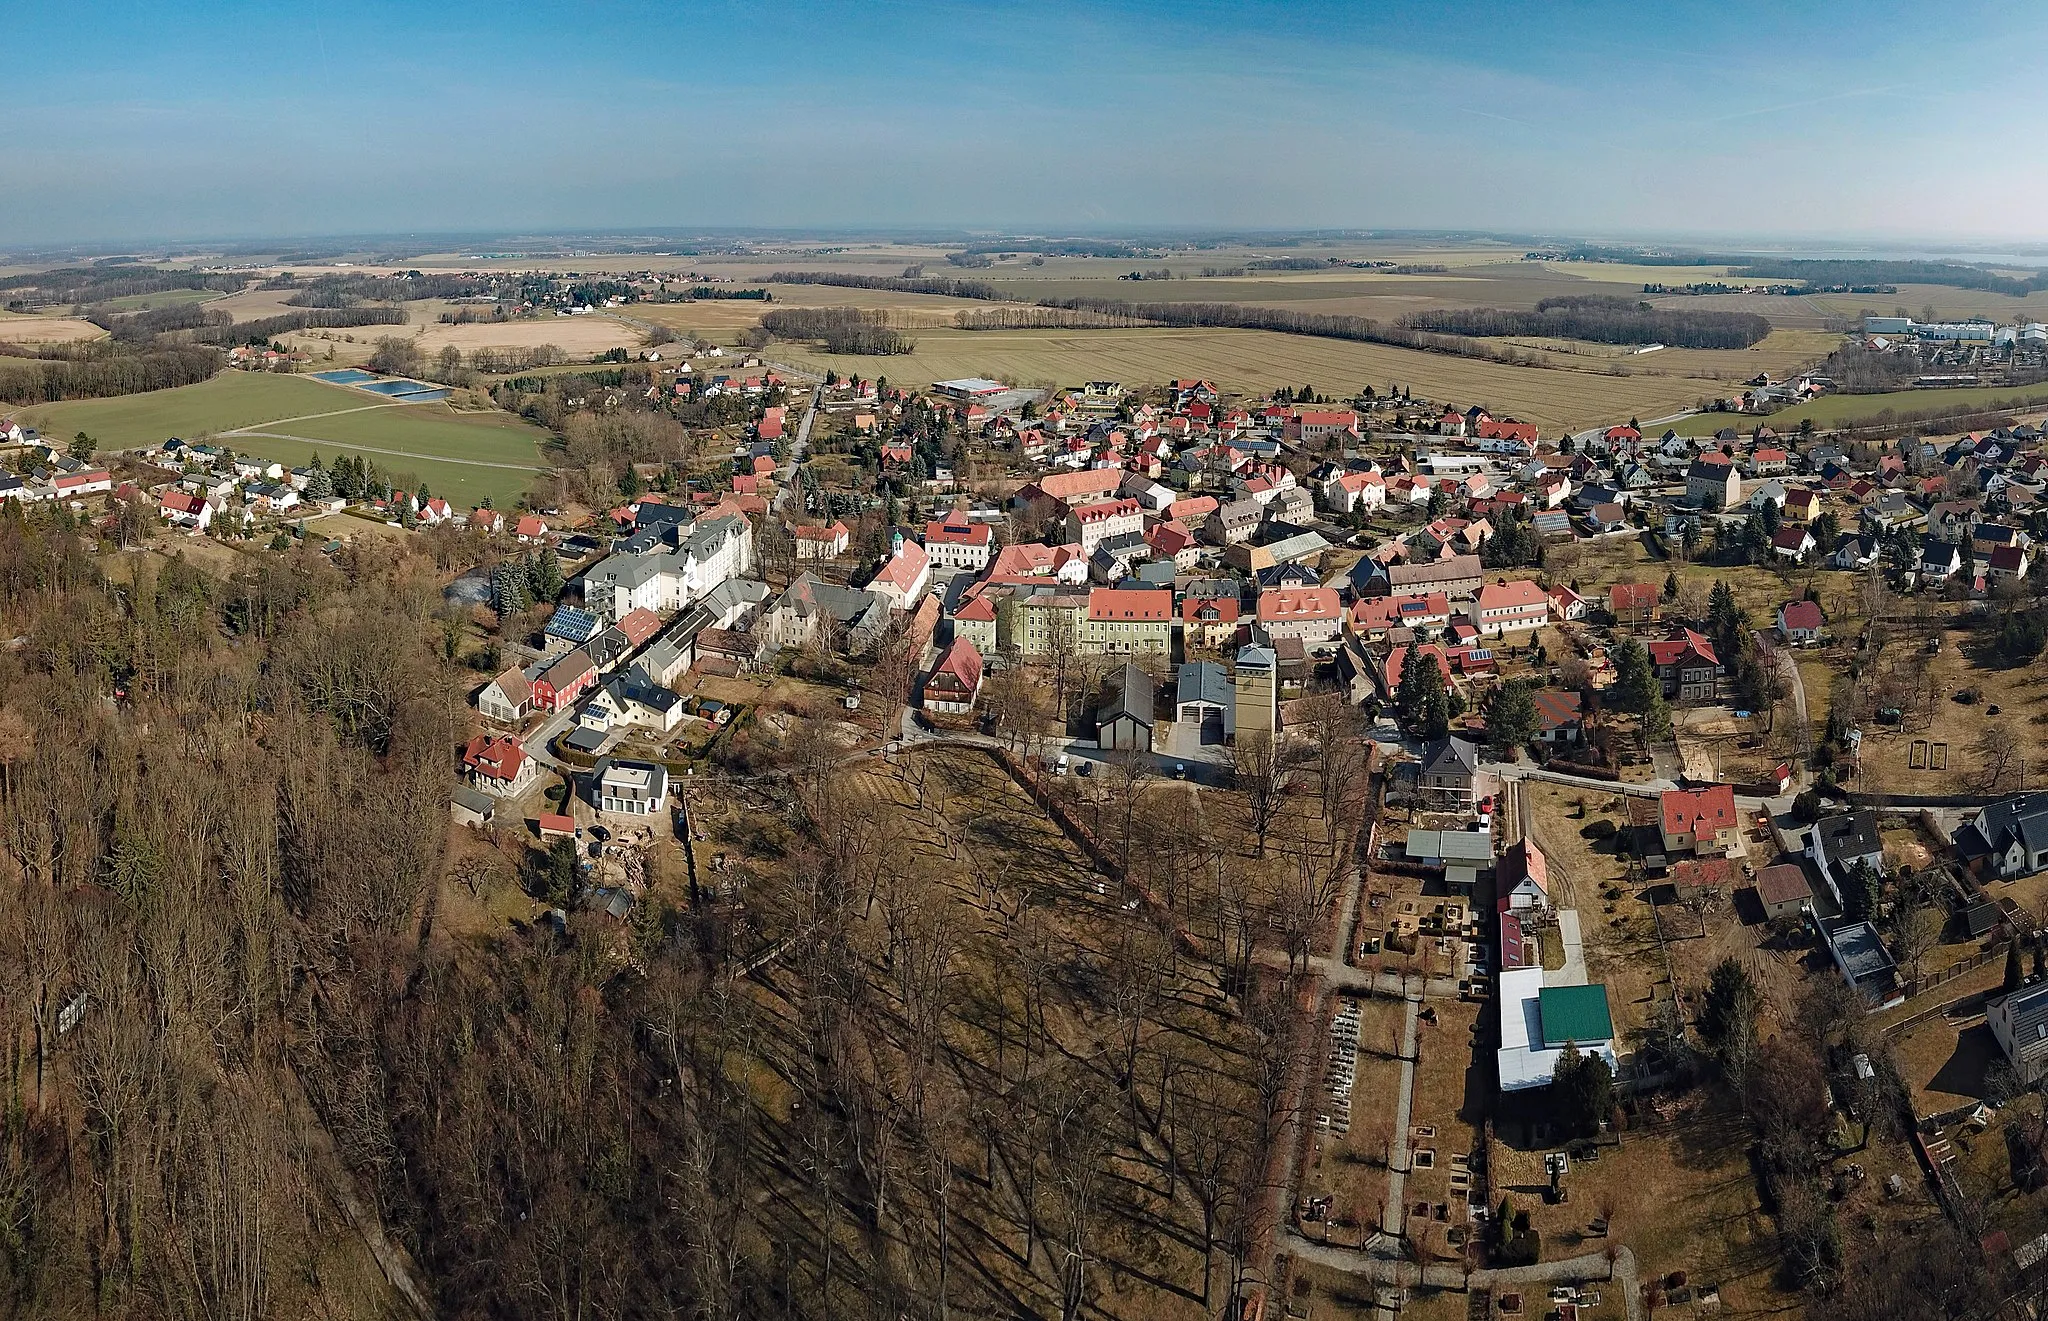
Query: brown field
(1788, 311)
(251, 304)
(571, 334)
(1255, 361)
(46, 329)
(2020, 695)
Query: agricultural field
(1948, 303)
(461, 456)
(571, 334)
(17, 329)
(1255, 361)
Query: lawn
(1257, 361)
(460, 455)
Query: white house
(1510, 606)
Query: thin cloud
(1801, 105)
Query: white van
(1060, 767)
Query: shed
(1124, 720)
(1782, 889)
(470, 807)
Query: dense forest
(348, 290)
(905, 284)
(1602, 321)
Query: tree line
(839, 329)
(944, 286)
(1601, 321)
(1832, 272)
(49, 381)
(348, 290)
(98, 284)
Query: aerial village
(1681, 751)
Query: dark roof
(1450, 756)
(1130, 694)
(2023, 817)
(1204, 681)
(1850, 835)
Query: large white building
(665, 567)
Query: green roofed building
(1574, 1014)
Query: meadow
(290, 418)
(1257, 361)
(160, 299)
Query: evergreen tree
(509, 591)
(1420, 701)
(1671, 586)
(1725, 621)
(1635, 679)
(1584, 1088)
(319, 485)
(1727, 1019)
(544, 575)
(2013, 975)
(1511, 720)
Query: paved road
(799, 446)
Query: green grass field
(460, 456)
(163, 298)
(231, 399)
(1835, 409)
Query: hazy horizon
(1865, 126)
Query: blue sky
(178, 120)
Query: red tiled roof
(499, 757)
(1701, 874)
(1700, 813)
(639, 625)
(958, 533)
(1801, 614)
(1120, 603)
(1280, 604)
(1631, 596)
(962, 664)
(1668, 651)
